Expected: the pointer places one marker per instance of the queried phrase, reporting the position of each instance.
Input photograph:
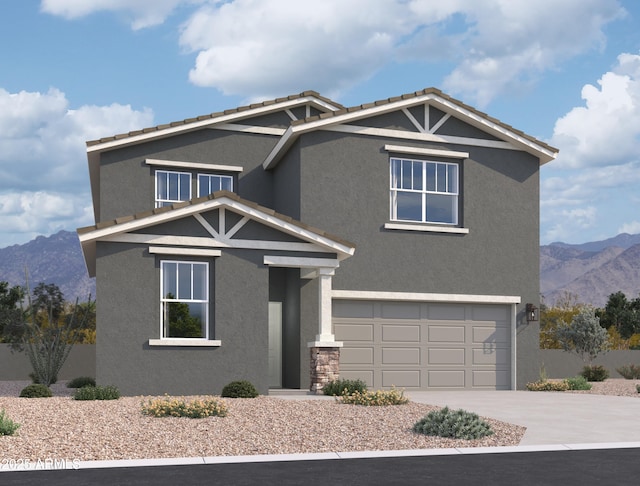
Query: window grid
(172, 187)
(170, 272)
(417, 179)
(210, 183)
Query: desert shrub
(97, 393)
(630, 372)
(36, 380)
(344, 387)
(578, 383)
(36, 390)
(7, 426)
(375, 398)
(546, 385)
(81, 381)
(595, 373)
(178, 407)
(457, 424)
(239, 389)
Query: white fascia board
(283, 144)
(300, 262)
(260, 110)
(403, 149)
(193, 165)
(237, 127)
(208, 205)
(425, 297)
(168, 250)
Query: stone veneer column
(325, 367)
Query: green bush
(578, 383)
(81, 381)
(630, 372)
(97, 393)
(7, 426)
(458, 424)
(344, 387)
(547, 385)
(175, 407)
(239, 389)
(595, 373)
(36, 390)
(375, 398)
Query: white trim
(189, 126)
(186, 342)
(413, 120)
(300, 262)
(403, 149)
(325, 344)
(193, 165)
(426, 228)
(291, 115)
(205, 224)
(514, 347)
(439, 123)
(425, 297)
(168, 250)
(237, 127)
(426, 137)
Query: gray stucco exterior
(331, 182)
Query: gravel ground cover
(62, 428)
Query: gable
(228, 222)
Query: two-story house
(288, 241)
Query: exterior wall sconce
(532, 313)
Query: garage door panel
(443, 349)
(350, 355)
(446, 356)
(485, 333)
(354, 332)
(446, 334)
(400, 332)
(439, 312)
(401, 378)
(359, 309)
(446, 378)
(401, 356)
(490, 356)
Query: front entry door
(275, 344)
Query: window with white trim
(424, 191)
(172, 187)
(184, 296)
(210, 183)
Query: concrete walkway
(550, 418)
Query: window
(208, 184)
(172, 187)
(185, 299)
(424, 191)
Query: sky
(564, 71)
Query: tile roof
(214, 115)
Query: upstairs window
(185, 299)
(172, 187)
(208, 184)
(424, 191)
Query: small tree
(47, 337)
(621, 314)
(584, 336)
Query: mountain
(51, 259)
(591, 271)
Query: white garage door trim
(511, 300)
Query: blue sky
(565, 71)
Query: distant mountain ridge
(51, 259)
(592, 270)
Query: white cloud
(43, 165)
(632, 228)
(606, 130)
(141, 13)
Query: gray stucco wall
(125, 325)
(345, 188)
(16, 366)
(560, 364)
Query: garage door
(423, 345)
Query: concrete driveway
(550, 418)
